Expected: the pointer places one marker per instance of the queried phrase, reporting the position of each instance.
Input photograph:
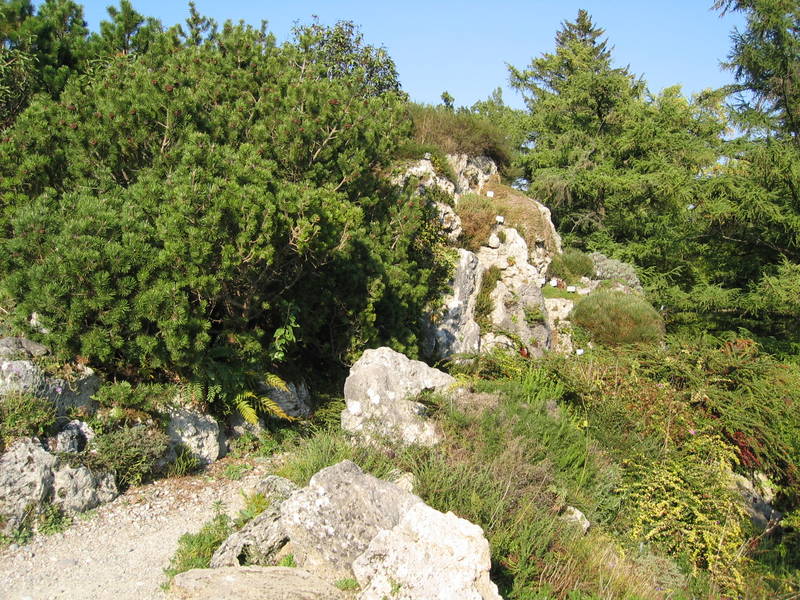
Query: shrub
(477, 215)
(415, 150)
(459, 132)
(483, 302)
(130, 453)
(571, 265)
(215, 198)
(611, 268)
(23, 415)
(616, 318)
(685, 505)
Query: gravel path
(119, 550)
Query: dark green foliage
(459, 132)
(130, 453)
(483, 302)
(209, 200)
(23, 415)
(616, 318)
(571, 265)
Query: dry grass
(478, 212)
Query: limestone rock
(77, 489)
(261, 538)
(18, 347)
(30, 476)
(333, 520)
(558, 310)
(573, 515)
(74, 437)
(293, 398)
(756, 497)
(518, 310)
(251, 583)
(472, 172)
(449, 221)
(425, 172)
(379, 392)
(26, 377)
(26, 480)
(195, 430)
(453, 329)
(428, 555)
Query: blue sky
(463, 47)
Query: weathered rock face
(30, 476)
(20, 348)
(453, 330)
(197, 431)
(332, 521)
(756, 497)
(251, 583)
(293, 398)
(259, 540)
(472, 172)
(427, 176)
(449, 221)
(427, 556)
(73, 438)
(518, 315)
(379, 394)
(22, 376)
(558, 310)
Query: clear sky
(463, 47)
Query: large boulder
(31, 477)
(452, 329)
(251, 583)
(20, 348)
(332, 521)
(379, 393)
(428, 555)
(262, 538)
(199, 432)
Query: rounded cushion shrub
(615, 318)
(611, 268)
(571, 265)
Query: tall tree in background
(577, 101)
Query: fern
(248, 404)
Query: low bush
(130, 453)
(24, 415)
(616, 270)
(459, 132)
(571, 265)
(616, 318)
(415, 150)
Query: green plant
(459, 132)
(616, 318)
(24, 415)
(571, 265)
(533, 315)
(483, 303)
(287, 561)
(615, 270)
(254, 505)
(347, 585)
(684, 504)
(52, 519)
(130, 453)
(196, 549)
(235, 472)
(185, 463)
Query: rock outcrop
(347, 522)
(428, 555)
(31, 477)
(380, 392)
(333, 520)
(197, 431)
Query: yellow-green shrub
(615, 318)
(685, 506)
